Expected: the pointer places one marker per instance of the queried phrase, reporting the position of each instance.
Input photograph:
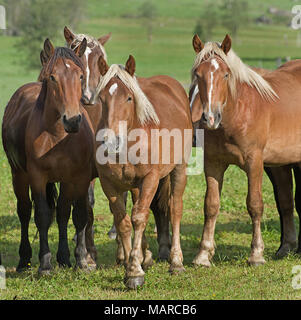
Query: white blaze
(195, 92)
(216, 66)
(87, 52)
(113, 88)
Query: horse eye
(52, 78)
(226, 75)
(81, 77)
(129, 99)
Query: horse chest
(120, 174)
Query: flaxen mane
(240, 72)
(144, 108)
(91, 42)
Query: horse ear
(80, 50)
(102, 65)
(226, 45)
(197, 44)
(48, 48)
(43, 58)
(102, 40)
(69, 36)
(130, 65)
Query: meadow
(170, 53)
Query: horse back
(169, 99)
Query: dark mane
(60, 52)
(64, 53)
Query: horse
(280, 177)
(139, 102)
(48, 137)
(95, 49)
(257, 117)
(92, 104)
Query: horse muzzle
(72, 124)
(212, 120)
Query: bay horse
(280, 177)
(257, 116)
(48, 138)
(144, 104)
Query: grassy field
(170, 53)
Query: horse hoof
(134, 282)
(174, 270)
(201, 261)
(44, 272)
(164, 254)
(23, 267)
(147, 264)
(284, 250)
(64, 265)
(256, 262)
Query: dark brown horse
(48, 138)
(256, 120)
(280, 177)
(137, 102)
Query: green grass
(170, 53)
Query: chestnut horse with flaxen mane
(259, 115)
(215, 149)
(144, 104)
(48, 137)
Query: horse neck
(234, 111)
(51, 118)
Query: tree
(234, 15)
(148, 12)
(210, 20)
(198, 29)
(43, 19)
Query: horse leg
(122, 220)
(281, 178)
(113, 235)
(43, 217)
(63, 214)
(140, 213)
(254, 169)
(80, 220)
(147, 254)
(161, 214)
(178, 181)
(297, 174)
(24, 205)
(89, 234)
(214, 172)
(113, 232)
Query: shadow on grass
(233, 253)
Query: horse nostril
(79, 118)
